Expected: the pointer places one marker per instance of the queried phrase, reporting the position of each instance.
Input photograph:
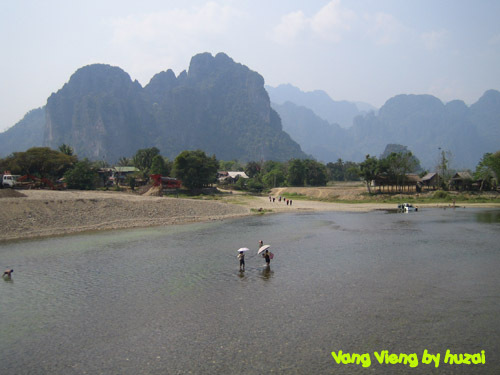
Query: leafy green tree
(351, 171)
(231, 165)
(124, 162)
(65, 149)
(254, 185)
(195, 169)
(100, 164)
(296, 173)
(38, 161)
(274, 178)
(273, 174)
(336, 170)
(160, 166)
(82, 176)
(403, 150)
(315, 173)
(397, 165)
(488, 170)
(342, 171)
(143, 159)
(252, 169)
(368, 170)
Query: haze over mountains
(218, 106)
(421, 122)
(222, 107)
(335, 112)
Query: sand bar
(39, 213)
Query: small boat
(407, 207)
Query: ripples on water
(171, 300)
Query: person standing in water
(241, 257)
(267, 257)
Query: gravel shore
(47, 213)
(40, 213)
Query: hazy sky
(357, 50)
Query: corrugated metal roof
(125, 169)
(235, 174)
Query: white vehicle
(9, 180)
(407, 207)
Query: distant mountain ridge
(335, 112)
(223, 108)
(423, 123)
(218, 106)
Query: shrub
(440, 194)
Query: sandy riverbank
(48, 213)
(37, 213)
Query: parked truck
(9, 180)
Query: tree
(368, 170)
(124, 162)
(38, 161)
(488, 170)
(443, 167)
(274, 178)
(400, 149)
(252, 169)
(296, 173)
(231, 165)
(82, 176)
(315, 173)
(65, 149)
(336, 170)
(397, 165)
(195, 169)
(143, 159)
(273, 174)
(160, 166)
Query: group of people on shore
(285, 200)
(266, 254)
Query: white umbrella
(263, 248)
(243, 249)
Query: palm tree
(65, 149)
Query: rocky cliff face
(218, 106)
(25, 134)
(421, 122)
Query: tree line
(197, 170)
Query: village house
(461, 181)
(384, 182)
(430, 181)
(115, 175)
(230, 177)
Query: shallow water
(172, 301)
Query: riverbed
(171, 300)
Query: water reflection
(488, 217)
(266, 273)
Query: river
(171, 300)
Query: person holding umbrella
(241, 257)
(266, 254)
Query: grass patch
(413, 198)
(297, 196)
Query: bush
(440, 194)
(82, 176)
